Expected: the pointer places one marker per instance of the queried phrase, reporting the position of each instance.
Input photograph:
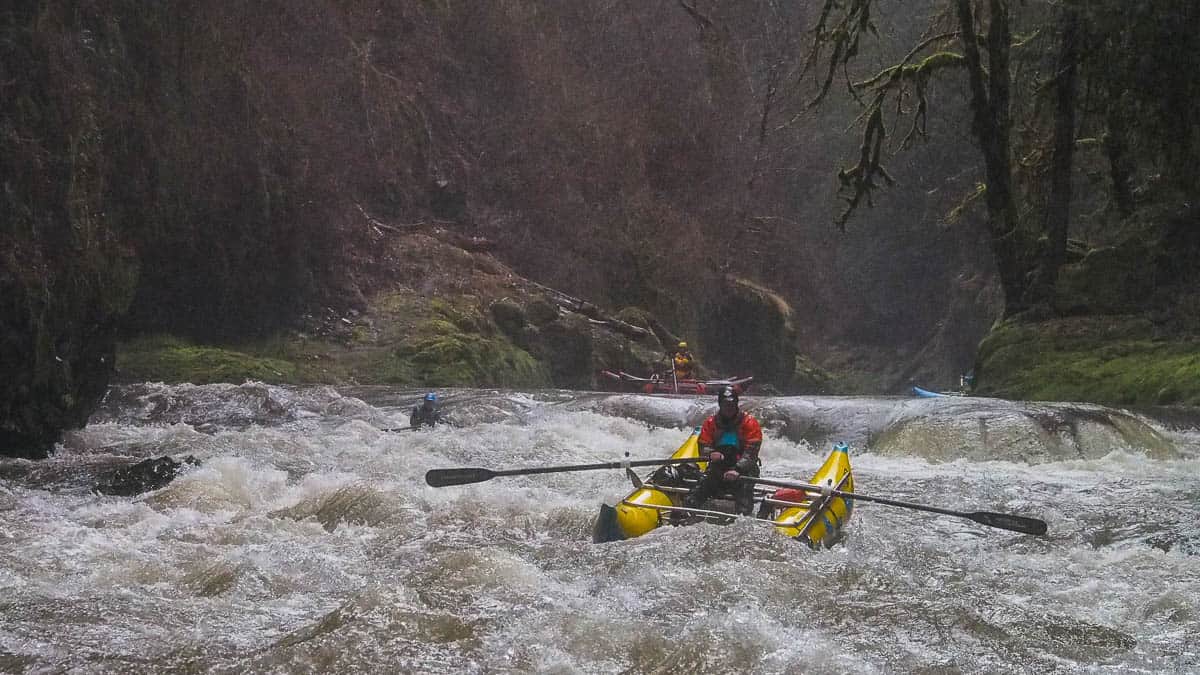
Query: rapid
(307, 540)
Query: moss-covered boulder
(614, 353)
(541, 312)
(1109, 360)
(636, 316)
(465, 314)
(444, 355)
(448, 340)
(510, 317)
(665, 338)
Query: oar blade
(1007, 521)
(445, 477)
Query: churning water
(308, 541)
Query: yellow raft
(658, 500)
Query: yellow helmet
(683, 345)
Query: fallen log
(579, 306)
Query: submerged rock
(146, 475)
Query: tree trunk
(1058, 206)
(1116, 147)
(990, 124)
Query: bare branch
(843, 39)
(704, 21)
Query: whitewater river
(308, 541)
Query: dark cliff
(219, 171)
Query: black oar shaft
(464, 476)
(1004, 521)
(905, 505)
(591, 467)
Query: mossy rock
(173, 360)
(445, 356)
(509, 316)
(541, 312)
(1107, 360)
(465, 314)
(664, 340)
(614, 352)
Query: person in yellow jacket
(683, 363)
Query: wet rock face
(147, 475)
(748, 331)
(66, 274)
(52, 384)
(566, 345)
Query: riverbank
(1111, 360)
(433, 314)
(471, 321)
(438, 315)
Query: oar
(444, 477)
(401, 428)
(1004, 521)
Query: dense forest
(901, 174)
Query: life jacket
(736, 433)
(683, 364)
(727, 436)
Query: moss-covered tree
(974, 38)
(1038, 77)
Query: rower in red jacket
(731, 440)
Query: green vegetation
(443, 342)
(169, 359)
(447, 341)
(447, 356)
(808, 377)
(1109, 360)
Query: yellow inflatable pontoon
(816, 519)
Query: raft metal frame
(815, 507)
